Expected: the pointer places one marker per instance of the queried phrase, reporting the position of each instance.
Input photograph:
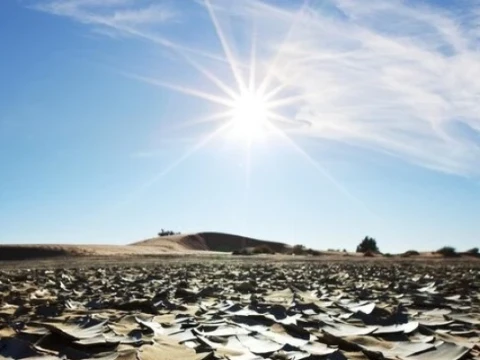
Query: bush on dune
(410, 253)
(167, 233)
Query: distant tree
(368, 244)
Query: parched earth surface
(242, 311)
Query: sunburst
(249, 109)
(249, 116)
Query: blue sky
(121, 117)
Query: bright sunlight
(250, 116)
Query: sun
(249, 116)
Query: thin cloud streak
(397, 77)
(103, 16)
(402, 94)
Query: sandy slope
(178, 244)
(24, 252)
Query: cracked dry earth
(242, 312)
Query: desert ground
(182, 298)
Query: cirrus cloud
(398, 77)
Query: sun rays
(251, 108)
(248, 107)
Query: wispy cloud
(398, 78)
(395, 76)
(106, 15)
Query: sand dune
(207, 242)
(210, 241)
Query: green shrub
(447, 251)
(387, 255)
(368, 244)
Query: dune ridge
(212, 241)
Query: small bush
(302, 250)
(387, 255)
(240, 252)
(262, 249)
(447, 251)
(473, 251)
(167, 233)
(299, 249)
(313, 252)
(410, 253)
(369, 253)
